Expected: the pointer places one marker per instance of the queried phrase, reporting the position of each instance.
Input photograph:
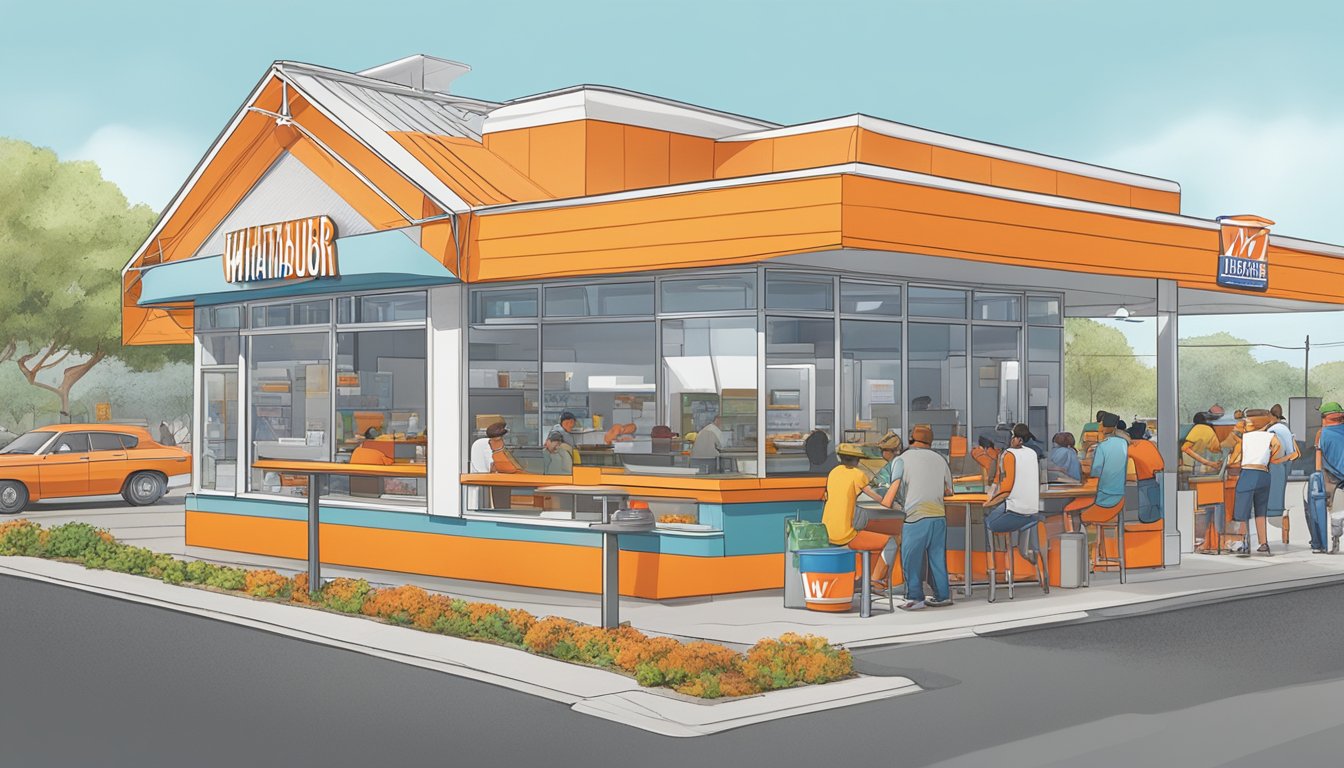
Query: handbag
(804, 534)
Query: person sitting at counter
(1147, 463)
(707, 446)
(1014, 504)
(1063, 465)
(986, 455)
(890, 446)
(1110, 460)
(567, 427)
(487, 455)
(841, 511)
(557, 457)
(920, 478)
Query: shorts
(1252, 495)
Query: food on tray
(685, 519)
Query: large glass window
(788, 290)
(605, 375)
(217, 330)
(799, 394)
(290, 401)
(219, 430)
(858, 298)
(504, 305)
(1043, 310)
(297, 313)
(936, 302)
(937, 377)
(1044, 397)
(1004, 307)
(711, 294)
(503, 383)
(599, 300)
(996, 382)
(870, 358)
(384, 308)
(709, 371)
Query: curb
(586, 690)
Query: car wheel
(143, 489)
(13, 497)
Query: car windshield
(28, 443)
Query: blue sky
(1240, 102)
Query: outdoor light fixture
(1122, 314)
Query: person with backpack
(1330, 463)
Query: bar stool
(1099, 558)
(866, 588)
(1042, 564)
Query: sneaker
(1334, 545)
(935, 603)
(912, 605)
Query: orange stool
(1102, 518)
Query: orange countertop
(334, 468)
(704, 489)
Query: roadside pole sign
(103, 411)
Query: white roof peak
(419, 71)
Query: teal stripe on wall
(419, 522)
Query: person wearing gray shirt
(920, 478)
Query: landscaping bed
(701, 669)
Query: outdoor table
(611, 549)
(315, 471)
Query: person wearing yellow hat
(920, 478)
(843, 486)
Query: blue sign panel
(1236, 272)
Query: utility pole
(1306, 368)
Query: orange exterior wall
(592, 157)
(548, 566)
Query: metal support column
(611, 572)
(1168, 415)
(314, 554)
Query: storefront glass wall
(841, 358)
(280, 354)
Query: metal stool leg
(1011, 561)
(866, 586)
(1042, 560)
(1120, 544)
(991, 556)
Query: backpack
(804, 534)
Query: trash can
(828, 578)
(1072, 559)
(799, 535)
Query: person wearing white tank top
(1260, 448)
(1015, 504)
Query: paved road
(91, 680)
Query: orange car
(68, 460)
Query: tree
(65, 234)
(1101, 372)
(1219, 368)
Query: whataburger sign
(291, 250)
(1243, 252)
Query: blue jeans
(1001, 520)
(924, 542)
(1252, 497)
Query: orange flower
(547, 633)
(264, 583)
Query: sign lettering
(1243, 252)
(291, 250)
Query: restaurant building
(369, 260)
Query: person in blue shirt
(1109, 462)
(1330, 462)
(1063, 465)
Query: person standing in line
(920, 478)
(1201, 451)
(1147, 463)
(1259, 450)
(707, 446)
(1278, 473)
(1015, 504)
(1330, 463)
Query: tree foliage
(1220, 368)
(1101, 372)
(65, 234)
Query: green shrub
(73, 540)
(133, 560)
(455, 622)
(101, 553)
(174, 572)
(224, 577)
(345, 595)
(197, 571)
(22, 537)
